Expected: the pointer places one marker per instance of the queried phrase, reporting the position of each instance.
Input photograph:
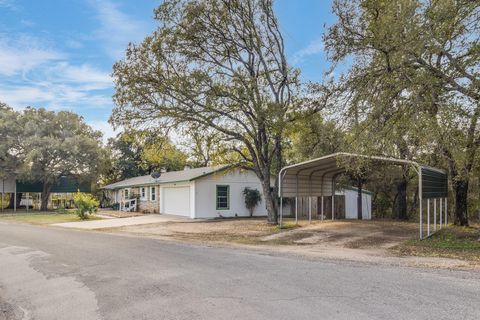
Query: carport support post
(321, 195)
(310, 199)
(321, 209)
(420, 199)
(15, 198)
(280, 187)
(296, 200)
(446, 212)
(309, 209)
(441, 213)
(435, 214)
(281, 210)
(428, 217)
(296, 210)
(333, 199)
(3, 193)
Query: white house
(207, 192)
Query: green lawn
(42, 217)
(451, 242)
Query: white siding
(351, 205)
(237, 180)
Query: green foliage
(412, 89)
(312, 137)
(40, 145)
(287, 226)
(451, 242)
(252, 198)
(10, 137)
(219, 65)
(140, 152)
(204, 147)
(86, 204)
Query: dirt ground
(364, 241)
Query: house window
(153, 195)
(143, 193)
(125, 192)
(223, 197)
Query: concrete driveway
(120, 222)
(52, 273)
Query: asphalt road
(48, 273)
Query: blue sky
(59, 54)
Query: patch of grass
(286, 226)
(43, 218)
(452, 242)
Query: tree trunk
(400, 204)
(270, 199)
(278, 167)
(12, 200)
(359, 200)
(460, 187)
(414, 203)
(47, 187)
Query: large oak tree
(56, 144)
(219, 64)
(415, 69)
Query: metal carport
(316, 178)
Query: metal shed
(316, 178)
(65, 184)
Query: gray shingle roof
(167, 177)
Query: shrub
(252, 199)
(86, 204)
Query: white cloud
(34, 75)
(117, 29)
(54, 97)
(313, 48)
(23, 96)
(88, 76)
(23, 54)
(105, 128)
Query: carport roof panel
(297, 178)
(331, 163)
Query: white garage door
(176, 201)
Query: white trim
(192, 200)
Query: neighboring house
(207, 192)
